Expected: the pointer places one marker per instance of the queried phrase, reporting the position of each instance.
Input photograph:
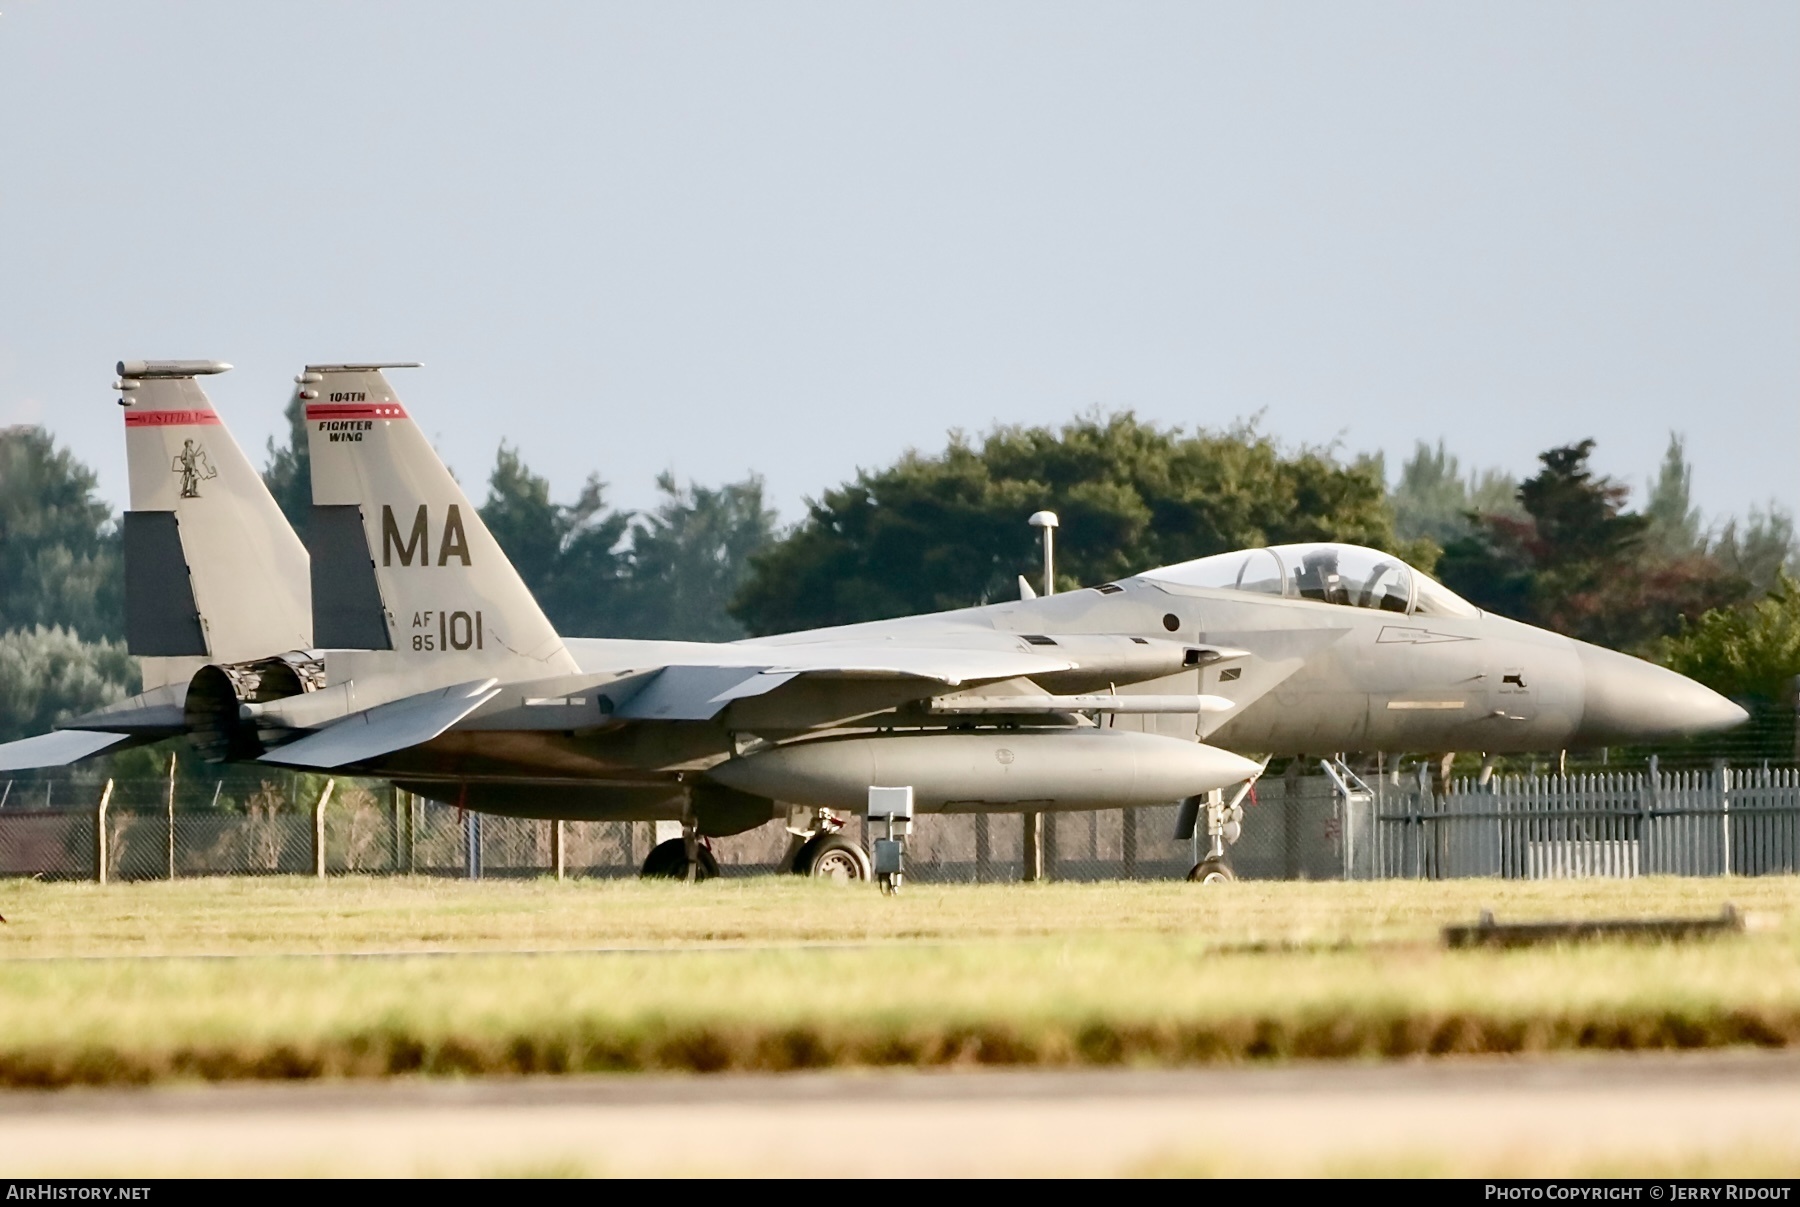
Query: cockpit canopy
(1348, 575)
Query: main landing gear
(819, 850)
(685, 858)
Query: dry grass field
(285, 978)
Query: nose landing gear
(1224, 825)
(1224, 822)
(1212, 870)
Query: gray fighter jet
(424, 659)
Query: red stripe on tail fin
(170, 418)
(355, 410)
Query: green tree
(568, 555)
(1434, 500)
(1747, 653)
(690, 556)
(288, 475)
(1674, 524)
(587, 596)
(59, 550)
(1759, 549)
(49, 674)
(1579, 563)
(948, 530)
(519, 513)
(1578, 520)
(1752, 654)
(597, 572)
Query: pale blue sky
(799, 238)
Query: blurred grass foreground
(296, 978)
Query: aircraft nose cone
(1629, 700)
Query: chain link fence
(1720, 820)
(196, 826)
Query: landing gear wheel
(668, 861)
(1212, 870)
(832, 857)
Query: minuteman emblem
(194, 468)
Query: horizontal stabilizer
(157, 713)
(56, 749)
(386, 728)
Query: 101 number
(455, 631)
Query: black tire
(1212, 871)
(668, 861)
(832, 857)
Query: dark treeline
(1562, 547)
(947, 530)
(599, 572)
(62, 584)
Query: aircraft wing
(699, 693)
(57, 749)
(701, 689)
(385, 728)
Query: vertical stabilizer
(213, 571)
(401, 559)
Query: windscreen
(1347, 575)
(1256, 570)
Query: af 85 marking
(447, 631)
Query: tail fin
(213, 571)
(401, 560)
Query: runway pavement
(1665, 1113)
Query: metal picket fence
(1710, 822)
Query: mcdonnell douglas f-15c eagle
(399, 642)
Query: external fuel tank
(976, 770)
